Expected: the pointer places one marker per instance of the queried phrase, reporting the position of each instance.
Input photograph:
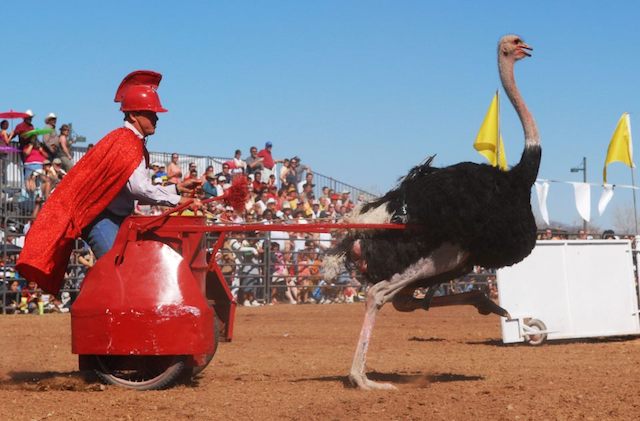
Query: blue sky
(361, 90)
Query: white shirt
(139, 187)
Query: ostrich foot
(363, 383)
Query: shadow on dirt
(43, 381)
(416, 379)
(556, 342)
(432, 339)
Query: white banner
(583, 200)
(542, 191)
(605, 198)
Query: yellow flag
(489, 140)
(620, 147)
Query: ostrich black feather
(484, 210)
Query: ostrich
(463, 215)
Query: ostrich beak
(524, 48)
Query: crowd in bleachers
(261, 268)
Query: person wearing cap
(210, 187)
(268, 163)
(23, 128)
(315, 209)
(100, 190)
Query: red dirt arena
(291, 362)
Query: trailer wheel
(140, 372)
(535, 339)
(216, 337)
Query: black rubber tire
(533, 339)
(151, 372)
(216, 337)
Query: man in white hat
(51, 140)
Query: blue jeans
(101, 233)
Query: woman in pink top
(33, 155)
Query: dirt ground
(290, 362)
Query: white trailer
(570, 289)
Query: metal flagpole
(635, 208)
(633, 181)
(499, 137)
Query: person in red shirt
(267, 160)
(22, 128)
(257, 181)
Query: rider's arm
(142, 189)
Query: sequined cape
(79, 198)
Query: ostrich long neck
(505, 67)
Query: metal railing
(256, 274)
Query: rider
(99, 192)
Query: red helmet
(137, 92)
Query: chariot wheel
(533, 338)
(140, 372)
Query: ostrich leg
(444, 259)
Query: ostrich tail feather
(238, 193)
(333, 265)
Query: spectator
(225, 173)
(315, 209)
(346, 201)
(299, 169)
(192, 175)
(192, 172)
(292, 197)
(208, 170)
(34, 156)
(268, 163)
(30, 301)
(278, 274)
(12, 298)
(174, 172)
(248, 251)
(51, 140)
(237, 165)
(284, 170)
(220, 187)
(308, 179)
(308, 272)
(160, 177)
(608, 235)
(254, 162)
(57, 167)
(51, 178)
(228, 266)
(5, 137)
(271, 193)
(257, 182)
(65, 147)
(210, 187)
(23, 128)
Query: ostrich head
(511, 46)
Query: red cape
(79, 198)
